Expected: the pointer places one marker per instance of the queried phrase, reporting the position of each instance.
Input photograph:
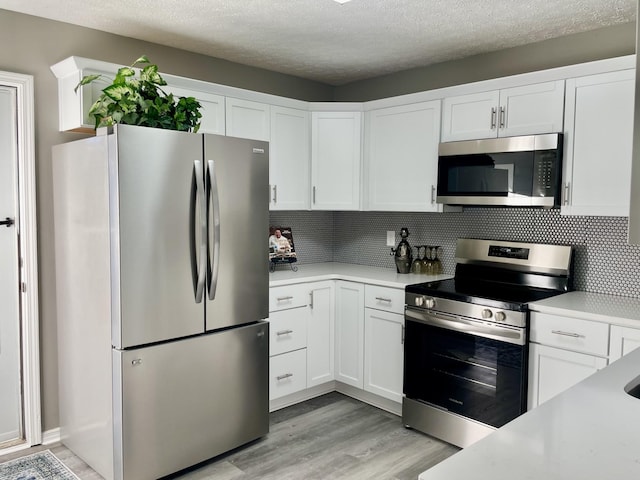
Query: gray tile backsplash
(604, 262)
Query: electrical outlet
(391, 238)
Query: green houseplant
(140, 101)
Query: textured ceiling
(332, 43)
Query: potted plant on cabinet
(140, 101)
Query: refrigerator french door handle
(215, 207)
(202, 198)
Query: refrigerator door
(158, 234)
(179, 403)
(238, 193)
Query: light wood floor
(329, 437)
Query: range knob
(501, 316)
(430, 302)
(419, 301)
(486, 313)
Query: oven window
(495, 174)
(473, 376)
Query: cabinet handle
(566, 194)
(502, 117)
(284, 332)
(433, 194)
(282, 299)
(311, 300)
(314, 194)
(567, 334)
(402, 336)
(275, 194)
(381, 299)
(285, 376)
(493, 118)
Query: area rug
(38, 466)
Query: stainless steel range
(465, 367)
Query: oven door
(465, 366)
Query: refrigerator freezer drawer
(180, 403)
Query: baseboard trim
(301, 396)
(370, 398)
(51, 436)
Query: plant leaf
(85, 80)
(142, 59)
(117, 92)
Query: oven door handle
(501, 333)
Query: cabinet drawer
(384, 298)
(287, 373)
(570, 333)
(289, 296)
(288, 330)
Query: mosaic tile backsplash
(604, 262)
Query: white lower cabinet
(320, 333)
(622, 341)
(383, 353)
(553, 370)
(564, 351)
(287, 373)
(349, 333)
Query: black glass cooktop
(492, 294)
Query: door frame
(27, 227)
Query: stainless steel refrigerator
(162, 285)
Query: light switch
(391, 238)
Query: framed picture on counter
(281, 243)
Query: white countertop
(385, 277)
(589, 432)
(597, 307)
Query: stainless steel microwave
(521, 171)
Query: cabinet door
(335, 160)
(598, 141)
(553, 370)
(349, 333)
(321, 332)
(383, 353)
(468, 117)
(246, 119)
(402, 157)
(289, 159)
(531, 109)
(213, 118)
(623, 340)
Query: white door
(468, 117)
(246, 119)
(320, 333)
(335, 160)
(289, 159)
(531, 109)
(383, 353)
(402, 157)
(349, 333)
(10, 397)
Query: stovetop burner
(491, 294)
(503, 275)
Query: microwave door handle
(201, 263)
(215, 208)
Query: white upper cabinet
(598, 141)
(335, 160)
(247, 119)
(289, 159)
(401, 157)
(523, 110)
(213, 118)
